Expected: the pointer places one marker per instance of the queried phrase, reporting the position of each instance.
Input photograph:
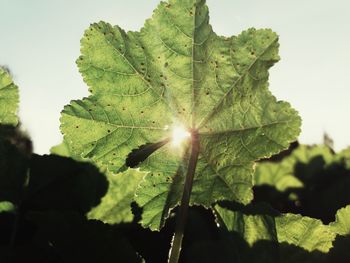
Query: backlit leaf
(177, 72)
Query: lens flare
(179, 135)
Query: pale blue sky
(40, 42)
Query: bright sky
(40, 42)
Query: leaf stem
(175, 249)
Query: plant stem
(175, 249)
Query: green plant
(176, 72)
(176, 119)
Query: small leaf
(9, 99)
(341, 225)
(7, 207)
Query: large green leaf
(9, 99)
(177, 71)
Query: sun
(179, 135)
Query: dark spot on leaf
(108, 131)
(138, 155)
(142, 63)
(141, 112)
(108, 105)
(90, 109)
(123, 108)
(166, 64)
(207, 93)
(77, 127)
